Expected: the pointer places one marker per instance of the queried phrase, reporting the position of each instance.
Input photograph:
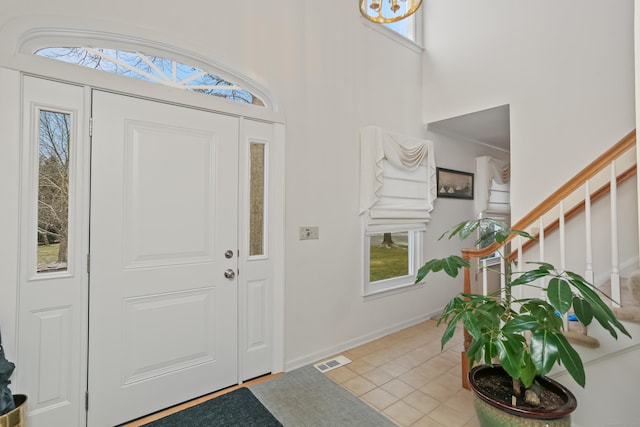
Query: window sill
(373, 295)
(408, 43)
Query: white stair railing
(551, 217)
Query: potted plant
(12, 407)
(524, 334)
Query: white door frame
(89, 79)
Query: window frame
(415, 43)
(31, 39)
(157, 69)
(39, 109)
(415, 235)
(265, 198)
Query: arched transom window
(153, 69)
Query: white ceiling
(490, 127)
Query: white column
(588, 274)
(563, 251)
(484, 277)
(615, 271)
(543, 282)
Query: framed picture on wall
(454, 184)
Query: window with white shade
(499, 197)
(492, 198)
(397, 191)
(492, 186)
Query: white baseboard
(344, 346)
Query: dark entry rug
(239, 408)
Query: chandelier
(385, 11)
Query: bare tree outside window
(388, 255)
(153, 69)
(53, 190)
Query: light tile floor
(407, 378)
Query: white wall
(609, 396)
(565, 68)
(330, 74)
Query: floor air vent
(330, 364)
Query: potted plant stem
(12, 407)
(524, 334)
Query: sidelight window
(257, 153)
(54, 134)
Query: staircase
(588, 225)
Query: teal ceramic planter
(493, 413)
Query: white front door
(163, 247)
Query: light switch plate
(309, 232)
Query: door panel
(163, 316)
(179, 203)
(259, 236)
(52, 322)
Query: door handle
(229, 273)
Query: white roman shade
(492, 185)
(397, 178)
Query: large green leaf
(451, 265)
(570, 359)
(489, 314)
(471, 323)
(544, 350)
(523, 234)
(601, 311)
(583, 311)
(449, 331)
(520, 324)
(603, 318)
(530, 276)
(490, 348)
(543, 265)
(560, 295)
(528, 372)
(463, 229)
(452, 306)
(510, 357)
(469, 228)
(474, 351)
(543, 311)
(501, 231)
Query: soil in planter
(500, 387)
